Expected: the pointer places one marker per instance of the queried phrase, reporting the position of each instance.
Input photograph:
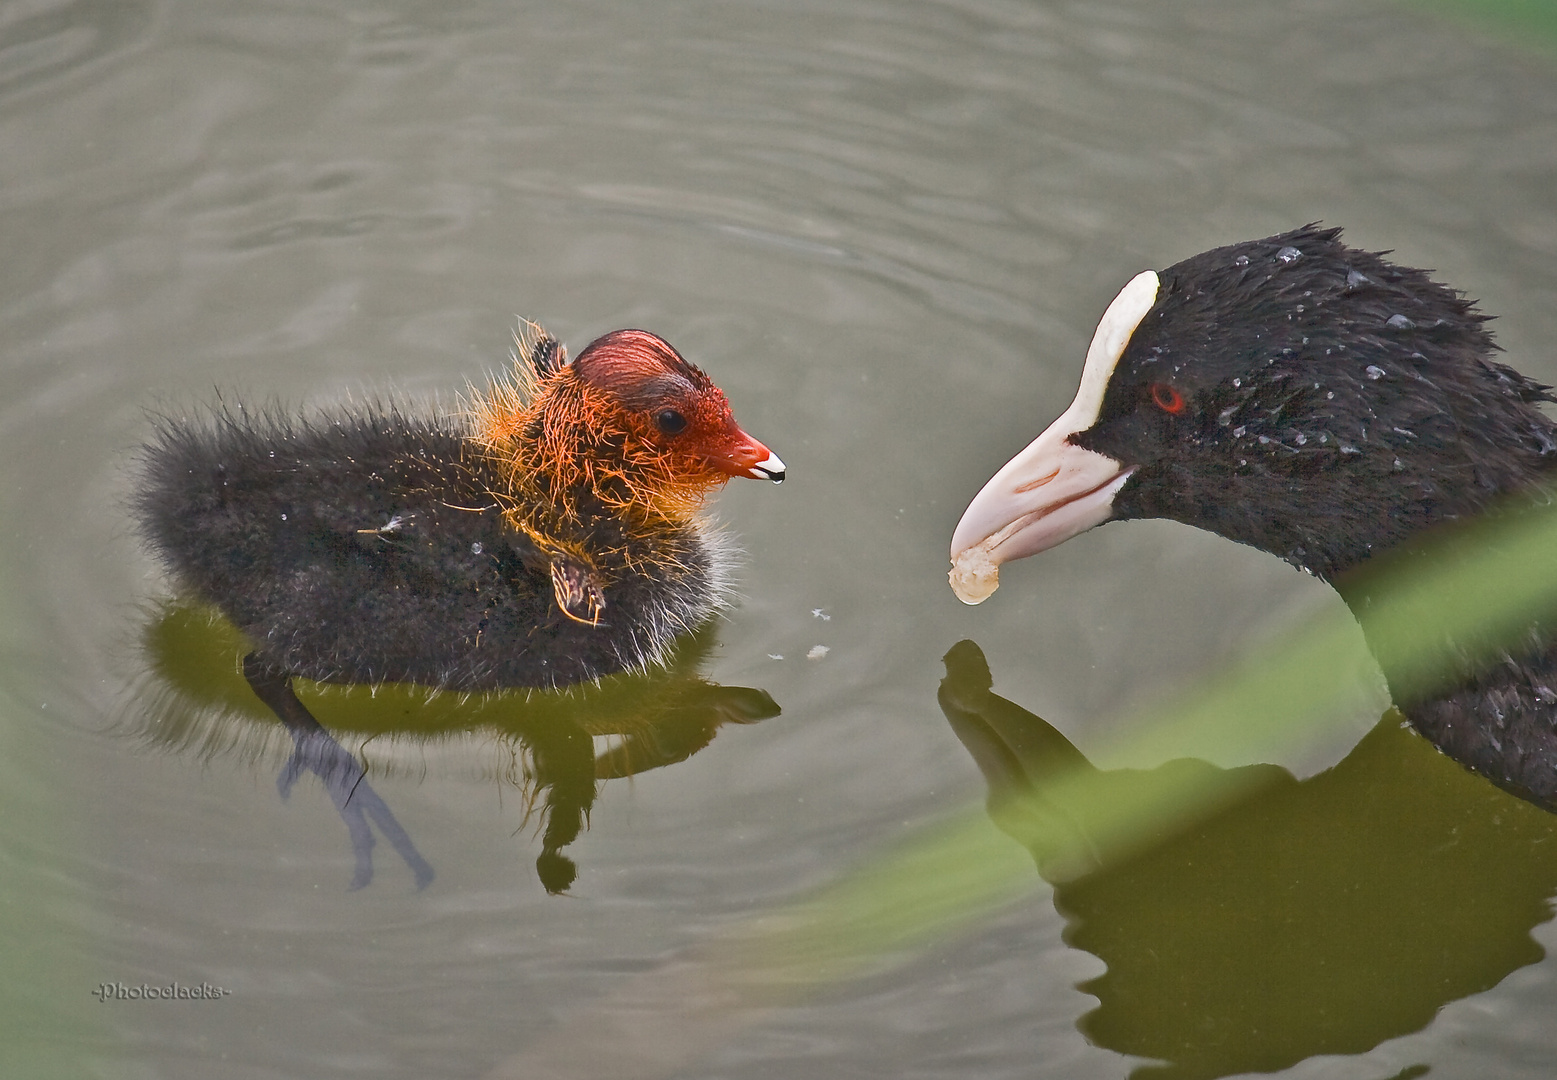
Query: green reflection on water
(1248, 920)
(1531, 23)
(1321, 916)
(195, 698)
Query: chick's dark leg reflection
(564, 759)
(343, 776)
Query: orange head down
(628, 423)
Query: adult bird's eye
(1167, 398)
(670, 421)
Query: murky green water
(887, 230)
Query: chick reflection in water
(196, 697)
(549, 532)
(1320, 916)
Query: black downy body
(370, 547)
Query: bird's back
(368, 548)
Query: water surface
(887, 231)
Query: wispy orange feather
(556, 438)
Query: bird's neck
(1416, 602)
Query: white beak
(1053, 489)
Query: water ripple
(42, 42)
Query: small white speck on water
(817, 652)
(775, 656)
(283, 517)
(821, 613)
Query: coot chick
(1325, 405)
(550, 534)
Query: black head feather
(1332, 402)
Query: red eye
(1166, 398)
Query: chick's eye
(670, 421)
(1167, 398)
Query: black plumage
(1328, 406)
(1336, 403)
(370, 547)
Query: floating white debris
(817, 652)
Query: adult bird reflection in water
(1321, 916)
(1335, 409)
(552, 534)
(194, 699)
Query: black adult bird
(1325, 405)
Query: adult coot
(1325, 405)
